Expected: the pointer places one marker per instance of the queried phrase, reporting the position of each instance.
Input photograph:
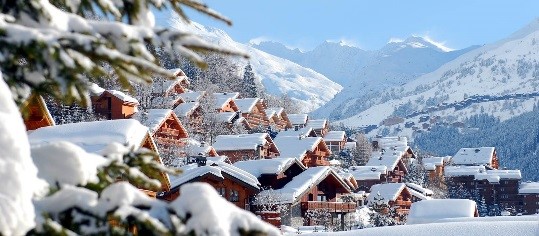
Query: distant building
(529, 193)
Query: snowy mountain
(501, 79)
(279, 76)
(364, 73)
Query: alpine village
(288, 169)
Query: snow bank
(66, 163)
(483, 228)
(431, 210)
(17, 172)
(219, 216)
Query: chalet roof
(419, 188)
(294, 147)
(153, 118)
(430, 163)
(221, 99)
(271, 111)
(474, 156)
(165, 85)
(192, 171)
(186, 109)
(392, 141)
(246, 105)
(267, 166)
(429, 211)
(122, 96)
(418, 194)
(335, 136)
(305, 131)
(388, 191)
(192, 96)
(298, 119)
(194, 148)
(93, 136)
(226, 116)
(312, 176)
(166, 101)
(240, 142)
(387, 158)
(494, 176)
(317, 124)
(455, 171)
(95, 90)
(367, 172)
(529, 188)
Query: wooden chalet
(335, 140)
(435, 166)
(165, 127)
(162, 87)
(35, 113)
(394, 194)
(303, 132)
(298, 121)
(320, 127)
(312, 151)
(114, 104)
(393, 144)
(96, 136)
(232, 183)
(225, 102)
(254, 111)
(314, 188)
(419, 192)
(246, 146)
(529, 193)
(367, 176)
(476, 156)
(278, 117)
(190, 113)
(394, 163)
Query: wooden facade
(112, 107)
(256, 115)
(170, 133)
(278, 118)
(262, 147)
(318, 156)
(35, 113)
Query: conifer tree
(250, 88)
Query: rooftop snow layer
(186, 108)
(435, 209)
(193, 171)
(246, 105)
(153, 118)
(388, 191)
(430, 163)
(93, 136)
(298, 119)
(494, 176)
(334, 136)
(192, 96)
(122, 96)
(474, 156)
(302, 182)
(388, 158)
(317, 124)
(271, 111)
(453, 171)
(294, 147)
(367, 172)
(305, 131)
(529, 188)
(266, 166)
(240, 142)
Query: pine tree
(249, 86)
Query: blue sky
(371, 24)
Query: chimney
(201, 160)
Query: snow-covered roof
(316, 124)
(420, 189)
(294, 189)
(419, 195)
(95, 90)
(305, 131)
(186, 108)
(221, 99)
(267, 166)
(294, 147)
(529, 188)
(430, 163)
(334, 136)
(192, 96)
(494, 176)
(474, 156)
(246, 105)
(165, 85)
(122, 96)
(226, 116)
(192, 171)
(387, 158)
(93, 136)
(454, 171)
(435, 209)
(298, 119)
(367, 172)
(271, 111)
(385, 142)
(240, 141)
(153, 118)
(166, 101)
(388, 191)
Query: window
(234, 196)
(221, 191)
(321, 198)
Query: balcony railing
(330, 206)
(403, 203)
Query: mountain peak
(415, 41)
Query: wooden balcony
(169, 132)
(403, 204)
(330, 206)
(170, 141)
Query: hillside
(279, 76)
